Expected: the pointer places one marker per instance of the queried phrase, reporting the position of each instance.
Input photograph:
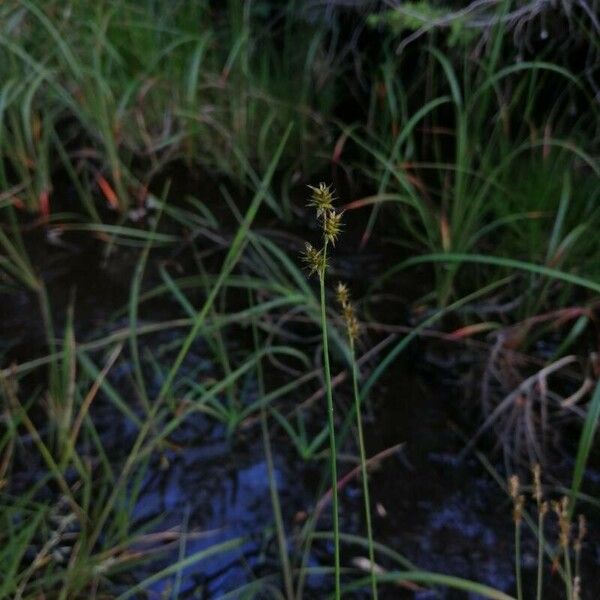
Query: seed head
(315, 260)
(514, 487)
(577, 587)
(564, 525)
(343, 297)
(332, 225)
(321, 198)
(581, 532)
(342, 294)
(351, 321)
(518, 508)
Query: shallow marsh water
(441, 513)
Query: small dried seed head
(321, 198)
(342, 294)
(576, 587)
(315, 259)
(351, 321)
(518, 508)
(514, 487)
(544, 508)
(564, 525)
(537, 484)
(581, 532)
(332, 225)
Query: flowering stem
(568, 576)
(518, 559)
(540, 565)
(333, 458)
(363, 466)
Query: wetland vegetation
(299, 299)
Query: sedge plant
(518, 504)
(316, 259)
(542, 509)
(568, 542)
(561, 508)
(352, 330)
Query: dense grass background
(168, 145)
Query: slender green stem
(568, 576)
(330, 413)
(276, 506)
(518, 559)
(363, 467)
(577, 578)
(540, 561)
(577, 565)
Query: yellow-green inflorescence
(330, 219)
(315, 260)
(350, 320)
(321, 198)
(332, 225)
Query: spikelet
(581, 532)
(514, 487)
(331, 222)
(350, 320)
(342, 294)
(315, 259)
(577, 588)
(561, 509)
(321, 198)
(332, 225)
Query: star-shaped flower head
(321, 198)
(332, 225)
(315, 259)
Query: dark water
(441, 513)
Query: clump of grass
(567, 542)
